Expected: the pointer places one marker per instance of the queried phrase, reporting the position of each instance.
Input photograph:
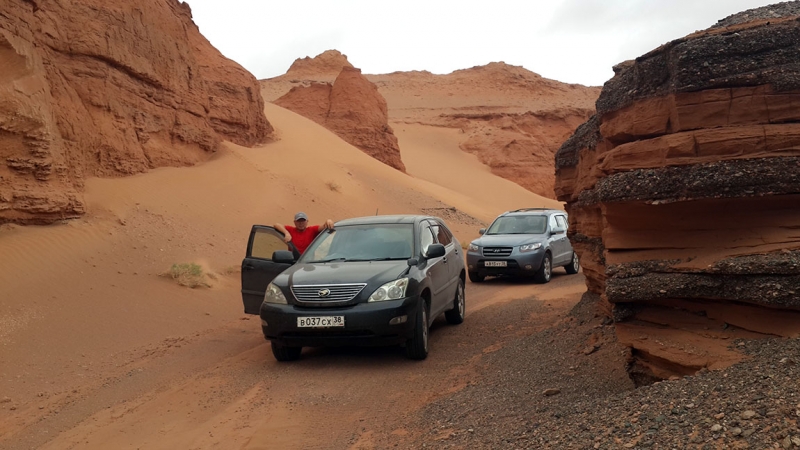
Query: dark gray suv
(371, 281)
(523, 242)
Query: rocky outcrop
(352, 108)
(684, 193)
(94, 88)
(513, 120)
(323, 68)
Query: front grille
(497, 252)
(326, 293)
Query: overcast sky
(574, 41)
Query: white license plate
(320, 322)
(496, 263)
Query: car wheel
(574, 266)
(417, 346)
(456, 315)
(475, 278)
(285, 353)
(546, 270)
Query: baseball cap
(300, 216)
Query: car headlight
(392, 290)
(473, 247)
(274, 295)
(530, 247)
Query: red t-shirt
(302, 239)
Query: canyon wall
(93, 88)
(684, 194)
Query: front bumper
(517, 263)
(364, 324)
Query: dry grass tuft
(335, 187)
(188, 274)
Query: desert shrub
(335, 187)
(188, 274)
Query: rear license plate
(496, 263)
(320, 322)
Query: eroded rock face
(352, 108)
(94, 88)
(684, 193)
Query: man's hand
(287, 238)
(328, 224)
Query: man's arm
(328, 225)
(287, 237)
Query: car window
(553, 223)
(265, 242)
(522, 224)
(561, 222)
(425, 239)
(442, 236)
(362, 243)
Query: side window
(425, 239)
(561, 222)
(442, 235)
(553, 223)
(265, 242)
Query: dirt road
(221, 388)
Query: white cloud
(576, 41)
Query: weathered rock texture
(97, 88)
(513, 119)
(684, 193)
(352, 108)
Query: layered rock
(352, 108)
(513, 120)
(684, 193)
(95, 88)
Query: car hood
(370, 272)
(508, 240)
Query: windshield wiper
(397, 258)
(329, 260)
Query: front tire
(417, 345)
(455, 316)
(546, 270)
(285, 353)
(574, 265)
(475, 278)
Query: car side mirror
(435, 251)
(412, 262)
(558, 231)
(482, 231)
(283, 257)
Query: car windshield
(374, 242)
(518, 225)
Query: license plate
(496, 263)
(320, 322)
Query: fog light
(398, 320)
(528, 267)
(264, 323)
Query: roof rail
(531, 209)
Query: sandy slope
(81, 302)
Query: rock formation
(684, 193)
(513, 120)
(352, 108)
(94, 88)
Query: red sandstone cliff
(94, 88)
(513, 119)
(352, 108)
(683, 194)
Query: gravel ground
(565, 387)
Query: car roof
(533, 211)
(387, 219)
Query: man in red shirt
(301, 234)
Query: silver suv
(524, 242)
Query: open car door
(258, 269)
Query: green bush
(188, 274)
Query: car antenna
(376, 211)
